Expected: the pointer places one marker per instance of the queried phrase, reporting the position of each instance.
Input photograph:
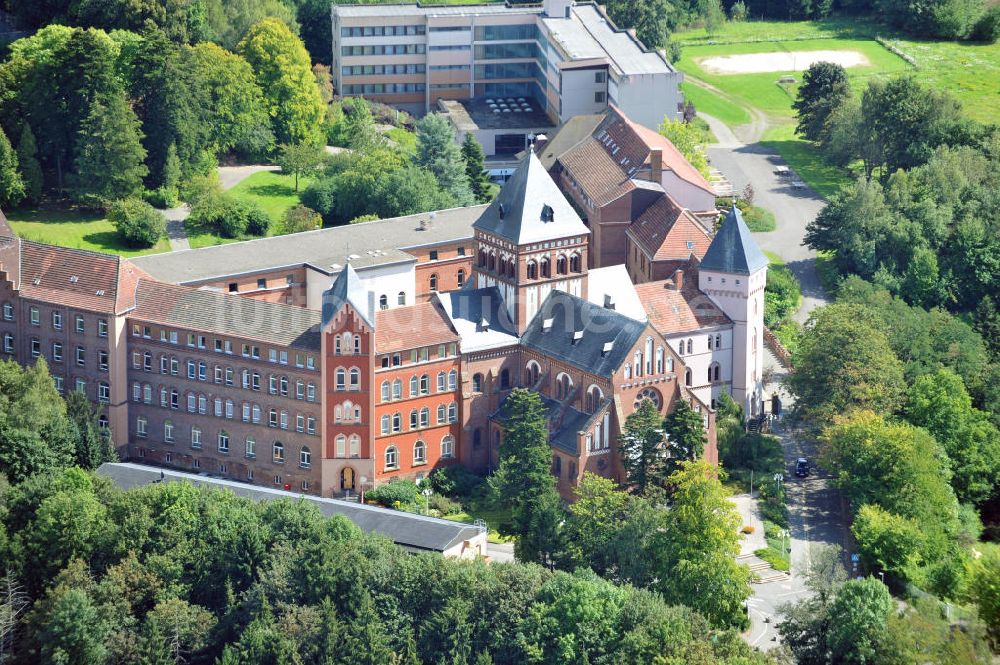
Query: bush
(300, 218)
(454, 481)
(782, 295)
(163, 197)
(394, 494)
(987, 28)
(258, 221)
(444, 505)
(224, 215)
(361, 219)
(137, 223)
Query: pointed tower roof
(530, 208)
(733, 249)
(347, 288)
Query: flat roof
(413, 532)
(586, 34)
(367, 245)
(412, 9)
(469, 115)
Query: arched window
(687, 377)
(564, 385)
(710, 368)
(561, 265)
(544, 267)
(452, 379)
(305, 457)
(510, 268)
(425, 384)
(383, 301)
(391, 458)
(482, 259)
(628, 371)
(341, 378)
(649, 355)
(453, 412)
(659, 360)
(419, 452)
(461, 278)
(442, 414)
(575, 263)
(413, 419)
(397, 422)
(385, 424)
(385, 391)
(425, 417)
(594, 398)
(710, 342)
(502, 266)
(354, 445)
(637, 363)
(477, 383)
(504, 379)
(336, 345)
(414, 386)
(491, 262)
(340, 446)
(532, 270)
(397, 389)
(278, 452)
(670, 363)
(690, 346)
(532, 370)
(448, 446)
(434, 281)
(715, 372)
(355, 378)
(557, 465)
(401, 298)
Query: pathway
(229, 177)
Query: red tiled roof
(423, 324)
(665, 229)
(225, 314)
(598, 175)
(74, 278)
(671, 311)
(672, 157)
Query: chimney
(678, 279)
(541, 140)
(656, 165)
(609, 301)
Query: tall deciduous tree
(31, 170)
(824, 88)
(438, 153)
(689, 140)
(11, 184)
(109, 157)
(300, 159)
(643, 447)
(283, 71)
(685, 432)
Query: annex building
(502, 72)
(341, 358)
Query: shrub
(361, 219)
(163, 197)
(987, 28)
(444, 505)
(748, 529)
(782, 295)
(258, 221)
(222, 214)
(300, 218)
(398, 492)
(137, 223)
(454, 481)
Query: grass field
(68, 227)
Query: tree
(282, 69)
(438, 153)
(31, 170)
(643, 448)
(940, 403)
(824, 88)
(712, 14)
(73, 632)
(11, 184)
(299, 159)
(652, 20)
(93, 443)
(859, 617)
(137, 223)
(524, 478)
(984, 589)
(174, 629)
(685, 432)
(688, 139)
(844, 362)
(479, 179)
(109, 157)
(695, 549)
(987, 324)
(359, 125)
(300, 218)
(853, 225)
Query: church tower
(733, 274)
(529, 241)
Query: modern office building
(557, 59)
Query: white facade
(395, 282)
(703, 351)
(741, 297)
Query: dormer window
(577, 336)
(547, 325)
(501, 211)
(548, 214)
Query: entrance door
(347, 478)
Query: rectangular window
(311, 425)
(8, 343)
(79, 324)
(168, 432)
(36, 348)
(102, 360)
(57, 352)
(196, 437)
(600, 97)
(103, 392)
(140, 426)
(81, 356)
(81, 385)
(36, 316)
(58, 382)
(300, 423)
(102, 327)
(8, 312)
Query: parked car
(801, 467)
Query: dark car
(801, 467)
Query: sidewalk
(750, 515)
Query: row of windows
(79, 352)
(646, 362)
(506, 32)
(168, 457)
(420, 355)
(384, 31)
(35, 316)
(198, 403)
(451, 47)
(507, 51)
(510, 70)
(419, 419)
(198, 371)
(384, 49)
(450, 68)
(382, 70)
(419, 386)
(383, 88)
(222, 442)
(419, 453)
(447, 86)
(251, 351)
(543, 267)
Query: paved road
(230, 176)
(793, 208)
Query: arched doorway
(347, 479)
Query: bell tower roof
(733, 250)
(347, 288)
(530, 208)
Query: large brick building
(332, 360)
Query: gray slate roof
(347, 288)
(414, 532)
(571, 423)
(371, 244)
(516, 215)
(468, 308)
(733, 250)
(600, 326)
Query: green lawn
(708, 102)
(806, 161)
(69, 227)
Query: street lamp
(363, 479)
(427, 500)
